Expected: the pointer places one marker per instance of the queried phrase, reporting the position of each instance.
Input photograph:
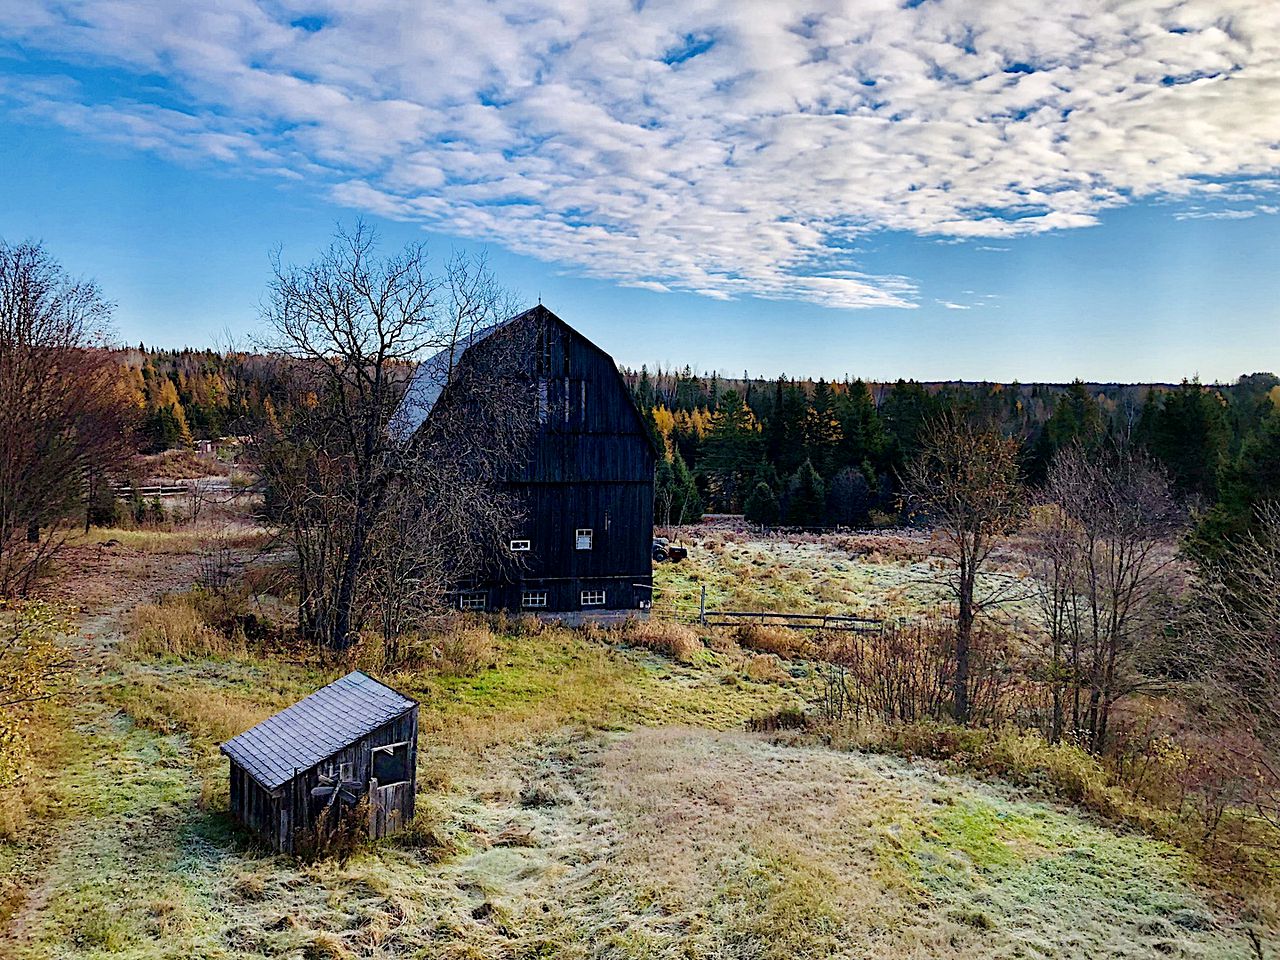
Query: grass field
(877, 575)
(579, 797)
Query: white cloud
(952, 306)
(725, 147)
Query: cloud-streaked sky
(780, 173)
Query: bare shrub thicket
(905, 673)
(63, 418)
(379, 515)
(1232, 636)
(966, 483)
(1102, 553)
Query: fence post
(702, 606)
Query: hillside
(581, 796)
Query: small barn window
(543, 402)
(593, 598)
(472, 601)
(519, 546)
(582, 538)
(531, 599)
(391, 764)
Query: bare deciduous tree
(1103, 554)
(63, 414)
(965, 482)
(1235, 627)
(372, 510)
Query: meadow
(583, 793)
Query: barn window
(543, 402)
(391, 763)
(544, 353)
(472, 601)
(519, 546)
(593, 598)
(582, 538)
(531, 599)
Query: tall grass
(176, 626)
(675, 640)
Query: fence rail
(156, 490)
(793, 621)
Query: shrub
(671, 639)
(763, 668)
(34, 666)
(784, 642)
(466, 649)
(460, 647)
(1024, 758)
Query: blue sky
(942, 202)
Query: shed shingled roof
(316, 727)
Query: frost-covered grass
(878, 575)
(581, 795)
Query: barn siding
(589, 465)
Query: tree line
(808, 453)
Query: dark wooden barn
(313, 763)
(584, 484)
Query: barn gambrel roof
(432, 375)
(315, 728)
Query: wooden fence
(688, 609)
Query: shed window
(391, 764)
(531, 599)
(593, 598)
(519, 546)
(582, 538)
(472, 601)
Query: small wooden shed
(314, 762)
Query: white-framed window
(474, 600)
(519, 546)
(582, 538)
(593, 598)
(533, 599)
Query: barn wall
(590, 465)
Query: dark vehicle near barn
(348, 749)
(583, 482)
(664, 550)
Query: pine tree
(849, 498)
(762, 506)
(1190, 438)
(686, 502)
(1251, 479)
(730, 452)
(806, 498)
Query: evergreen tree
(861, 432)
(849, 498)
(1251, 479)
(806, 499)
(731, 452)
(762, 506)
(1190, 439)
(686, 502)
